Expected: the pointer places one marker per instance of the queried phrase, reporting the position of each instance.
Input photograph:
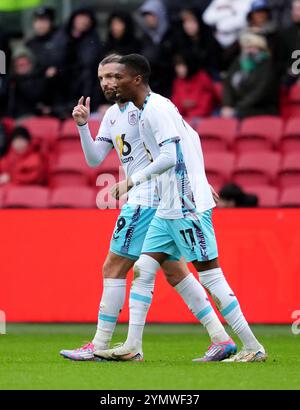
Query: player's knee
(106, 269)
(137, 269)
(175, 277)
(145, 269)
(111, 270)
(211, 277)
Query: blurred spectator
(289, 43)
(121, 37)
(4, 46)
(281, 11)
(41, 44)
(197, 38)
(260, 22)
(232, 196)
(193, 89)
(43, 47)
(3, 94)
(175, 6)
(78, 52)
(157, 44)
(251, 86)
(27, 88)
(227, 18)
(3, 140)
(23, 165)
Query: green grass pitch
(29, 359)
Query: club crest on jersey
(133, 117)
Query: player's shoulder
(158, 103)
(111, 111)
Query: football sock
(112, 301)
(195, 297)
(140, 299)
(215, 283)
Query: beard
(111, 97)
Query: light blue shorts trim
(194, 239)
(130, 230)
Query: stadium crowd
(226, 59)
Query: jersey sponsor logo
(123, 146)
(133, 117)
(124, 149)
(112, 122)
(126, 160)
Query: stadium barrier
(51, 265)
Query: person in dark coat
(43, 48)
(157, 44)
(41, 43)
(27, 87)
(4, 46)
(288, 54)
(281, 11)
(78, 52)
(121, 38)
(3, 95)
(251, 86)
(193, 35)
(260, 21)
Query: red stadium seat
(290, 102)
(293, 111)
(26, 197)
(111, 165)
(64, 146)
(290, 197)
(94, 127)
(290, 141)
(69, 139)
(69, 129)
(73, 197)
(217, 134)
(44, 130)
(259, 134)
(1, 198)
(294, 94)
(219, 167)
(289, 174)
(256, 168)
(70, 169)
(268, 196)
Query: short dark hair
(138, 64)
(111, 58)
(233, 192)
(21, 132)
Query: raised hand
(81, 111)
